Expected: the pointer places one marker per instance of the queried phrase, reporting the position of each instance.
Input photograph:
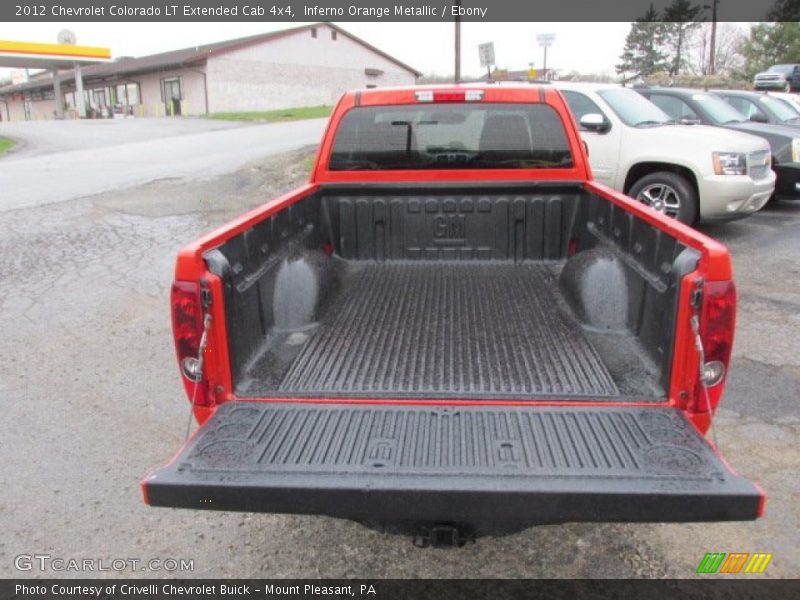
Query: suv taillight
(187, 328)
(717, 322)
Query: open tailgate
(524, 465)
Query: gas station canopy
(27, 55)
(52, 57)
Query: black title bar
(302, 11)
(366, 589)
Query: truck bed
(475, 330)
(475, 294)
(451, 331)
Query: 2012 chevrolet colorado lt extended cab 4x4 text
(453, 331)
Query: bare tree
(728, 56)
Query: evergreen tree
(643, 54)
(770, 44)
(680, 18)
(785, 10)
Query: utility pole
(712, 53)
(457, 77)
(486, 54)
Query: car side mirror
(594, 122)
(759, 118)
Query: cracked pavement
(92, 400)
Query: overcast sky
(428, 47)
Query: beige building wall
(192, 103)
(16, 110)
(40, 110)
(192, 90)
(296, 70)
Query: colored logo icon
(735, 562)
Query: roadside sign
(545, 39)
(486, 52)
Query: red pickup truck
(453, 331)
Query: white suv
(696, 173)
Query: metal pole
(712, 57)
(457, 76)
(544, 68)
(57, 94)
(79, 101)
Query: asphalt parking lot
(39, 138)
(58, 161)
(92, 400)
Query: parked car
(761, 107)
(791, 100)
(778, 77)
(453, 330)
(693, 175)
(695, 106)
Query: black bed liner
(458, 330)
(470, 292)
(523, 465)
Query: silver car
(693, 173)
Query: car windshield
(785, 69)
(634, 109)
(793, 106)
(719, 111)
(779, 108)
(450, 136)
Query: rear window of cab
(450, 136)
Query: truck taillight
(187, 328)
(717, 322)
(449, 96)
